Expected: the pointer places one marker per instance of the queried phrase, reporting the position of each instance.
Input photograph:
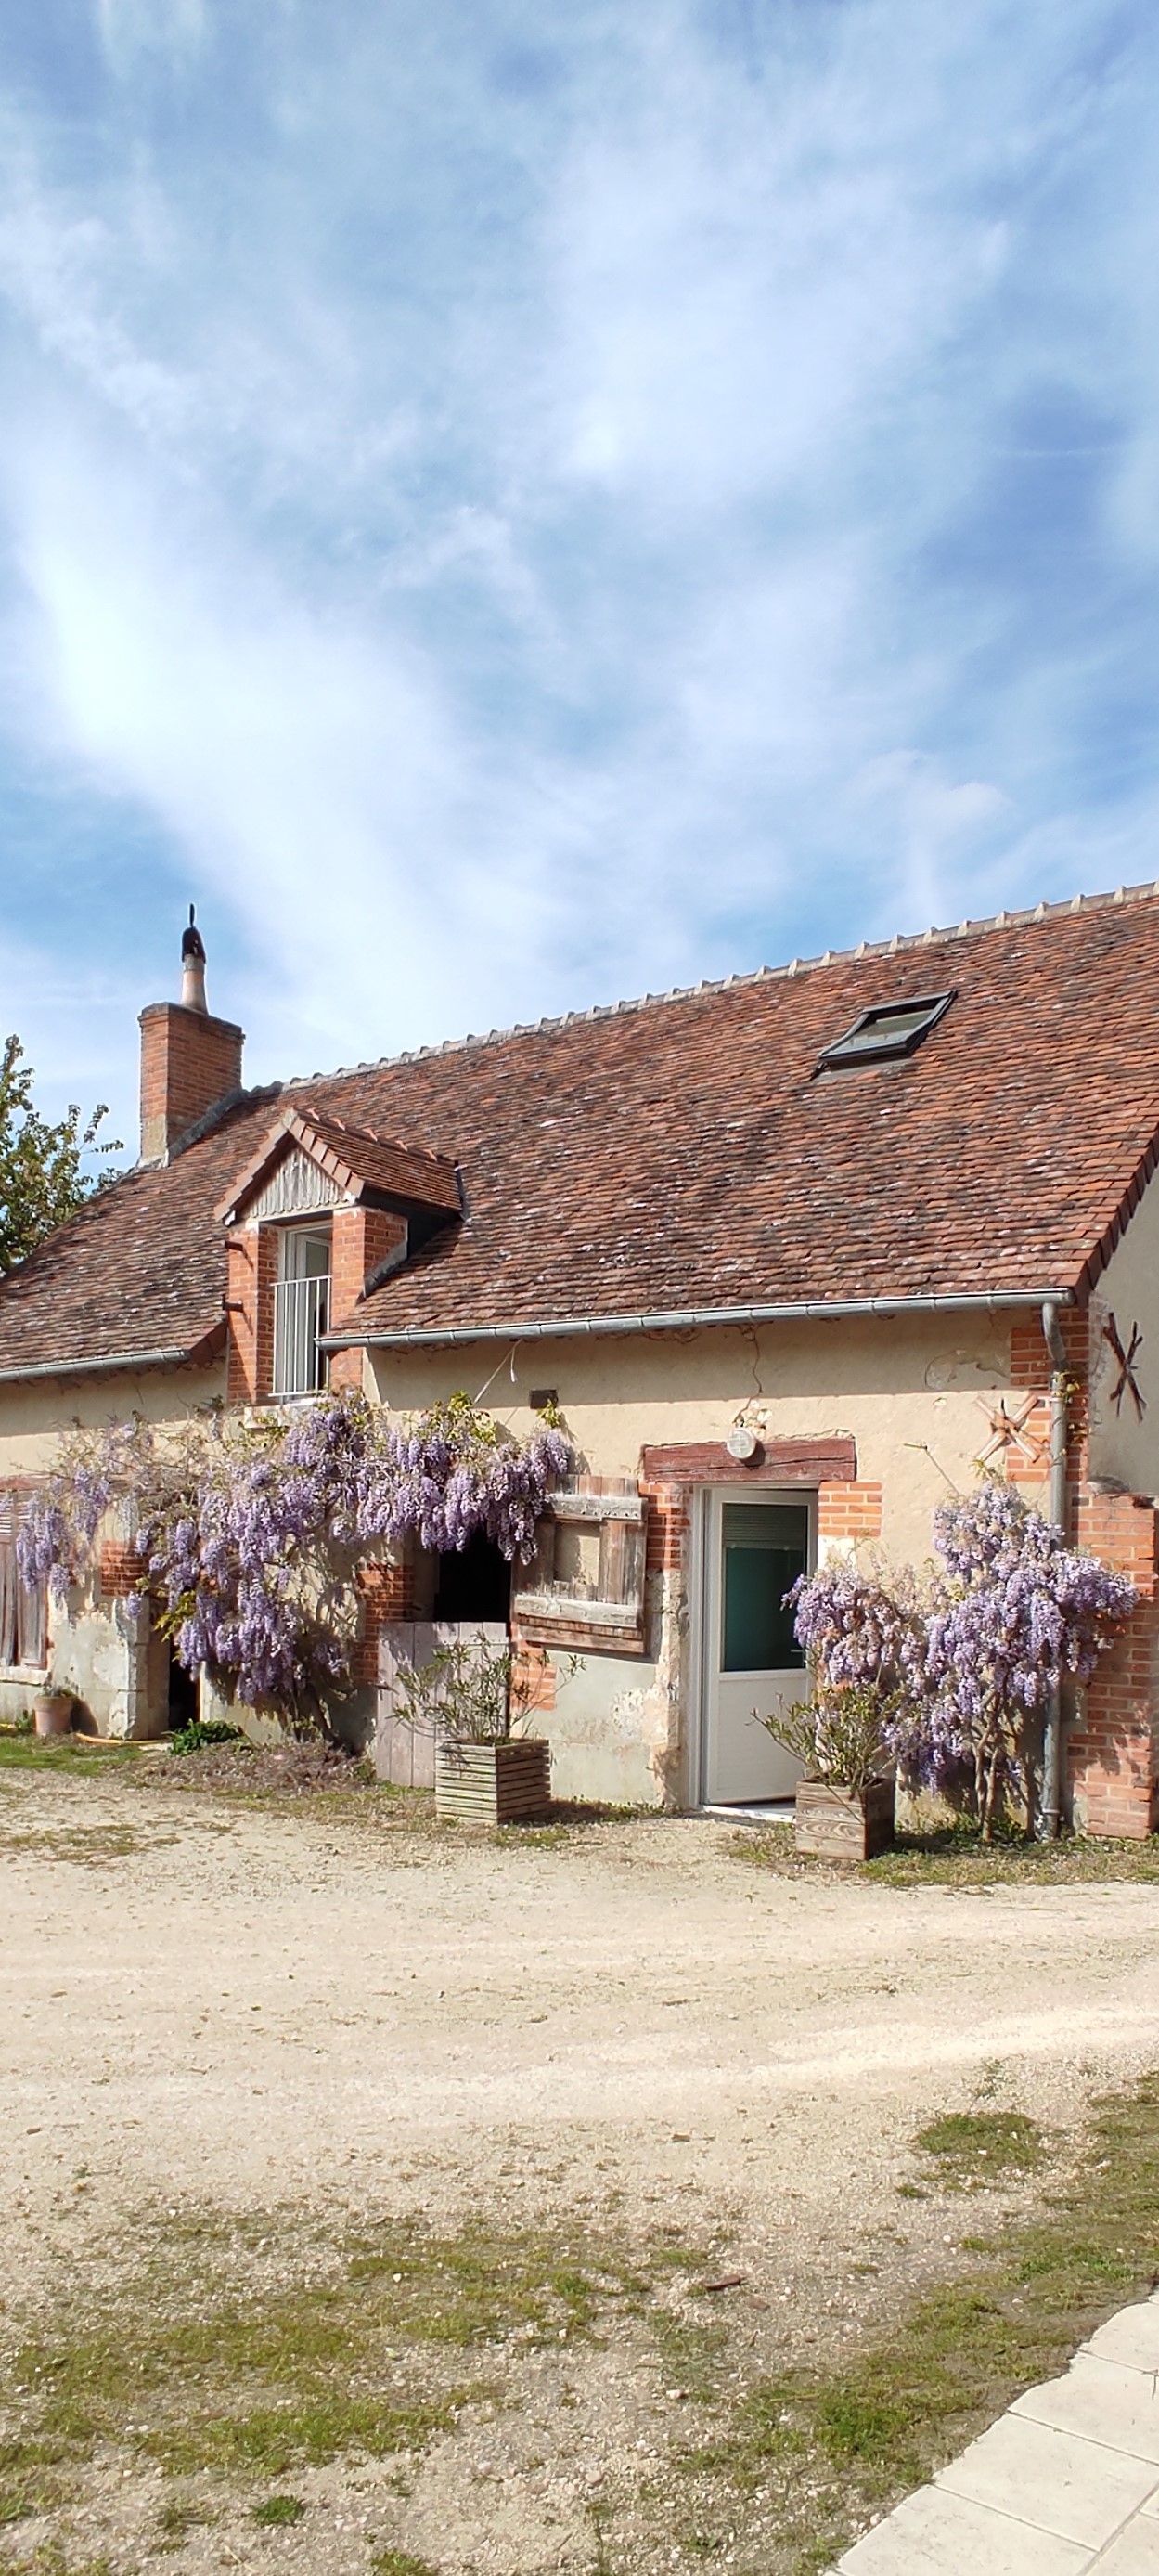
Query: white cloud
(131, 27)
(561, 500)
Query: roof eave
(176, 1355)
(799, 1310)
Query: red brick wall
(849, 1511)
(362, 1238)
(122, 1570)
(1112, 1748)
(533, 1678)
(387, 1596)
(188, 1061)
(251, 1270)
(666, 1529)
(1027, 1462)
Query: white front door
(757, 1545)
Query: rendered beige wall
(916, 1396)
(34, 1413)
(97, 1649)
(1123, 1442)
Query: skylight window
(893, 1029)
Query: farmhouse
(791, 1253)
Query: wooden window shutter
(31, 1625)
(23, 1607)
(8, 1579)
(585, 1587)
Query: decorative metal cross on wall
(1011, 1432)
(1127, 1381)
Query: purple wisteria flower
(249, 1534)
(967, 1669)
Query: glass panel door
(757, 1546)
(766, 1547)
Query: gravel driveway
(243, 2008)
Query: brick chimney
(189, 1060)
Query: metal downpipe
(1050, 1814)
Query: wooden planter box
(833, 1824)
(493, 1784)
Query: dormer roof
(352, 1163)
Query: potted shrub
(486, 1773)
(52, 1711)
(845, 1801)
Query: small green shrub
(203, 1731)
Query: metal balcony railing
(301, 1316)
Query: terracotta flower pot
(52, 1712)
(837, 1824)
(493, 1784)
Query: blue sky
(513, 505)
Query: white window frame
(301, 1313)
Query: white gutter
(89, 1368)
(673, 1320)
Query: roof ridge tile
(901, 941)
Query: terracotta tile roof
(683, 1153)
(356, 1160)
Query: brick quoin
(363, 1237)
(122, 1570)
(189, 1061)
(1112, 1748)
(533, 1677)
(387, 1592)
(849, 1511)
(251, 1270)
(666, 1529)
(1031, 1369)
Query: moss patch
(967, 2149)
(69, 1753)
(277, 2510)
(85, 1846)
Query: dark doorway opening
(474, 1583)
(184, 1697)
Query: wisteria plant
(248, 1533)
(962, 1664)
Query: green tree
(43, 1174)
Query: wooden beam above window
(827, 1461)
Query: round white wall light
(742, 1443)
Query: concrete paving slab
(937, 2534)
(1131, 2338)
(1075, 2489)
(1134, 2553)
(1102, 2403)
(1152, 2503)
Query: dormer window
(892, 1029)
(301, 1309)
